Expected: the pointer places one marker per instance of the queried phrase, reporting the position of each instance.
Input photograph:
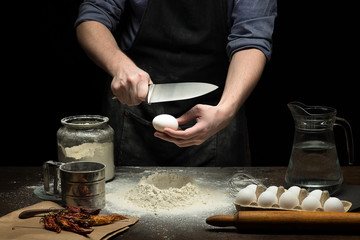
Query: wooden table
(17, 186)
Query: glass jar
(87, 138)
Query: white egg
(333, 204)
(310, 203)
(252, 187)
(294, 189)
(245, 196)
(267, 199)
(164, 120)
(288, 200)
(273, 189)
(316, 193)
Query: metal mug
(82, 183)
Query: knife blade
(167, 92)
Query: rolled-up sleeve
(252, 26)
(107, 12)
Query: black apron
(179, 41)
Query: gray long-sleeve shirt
(250, 22)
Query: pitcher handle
(349, 137)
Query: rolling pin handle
(222, 220)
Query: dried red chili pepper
(70, 226)
(82, 219)
(90, 211)
(73, 209)
(50, 223)
(106, 219)
(83, 210)
(78, 219)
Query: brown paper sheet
(12, 227)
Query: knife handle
(148, 97)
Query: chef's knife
(167, 92)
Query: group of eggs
(288, 199)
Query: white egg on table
(252, 187)
(333, 204)
(267, 199)
(164, 120)
(310, 203)
(245, 196)
(316, 193)
(273, 189)
(288, 200)
(295, 189)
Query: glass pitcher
(314, 162)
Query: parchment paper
(12, 227)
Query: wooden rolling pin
(289, 221)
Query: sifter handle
(51, 173)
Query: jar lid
(84, 121)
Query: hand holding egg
(164, 120)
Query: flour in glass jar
(92, 152)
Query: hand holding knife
(167, 92)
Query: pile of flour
(168, 193)
(164, 191)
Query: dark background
(315, 61)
